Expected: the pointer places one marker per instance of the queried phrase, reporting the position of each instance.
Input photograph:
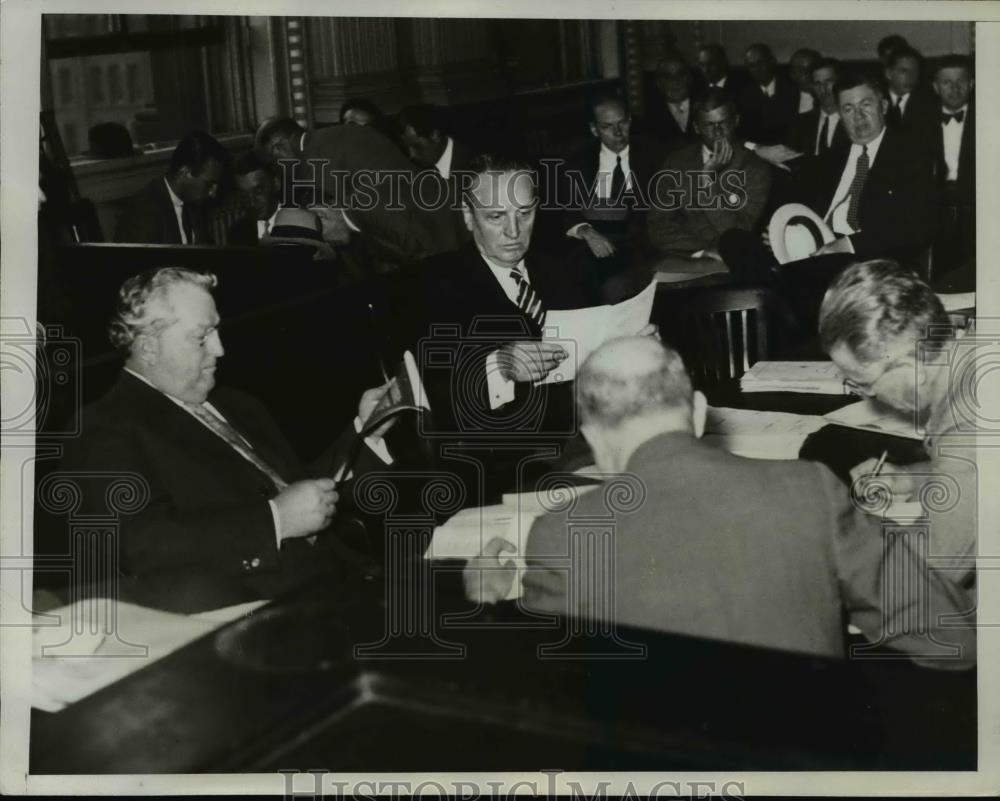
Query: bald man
(762, 552)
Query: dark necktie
(821, 144)
(895, 115)
(958, 116)
(857, 186)
(186, 222)
(617, 182)
(232, 437)
(527, 299)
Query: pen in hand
(880, 463)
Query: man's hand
(776, 154)
(765, 237)
(487, 579)
(839, 245)
(370, 399)
(722, 154)
(902, 484)
(306, 507)
(529, 361)
(599, 244)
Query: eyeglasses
(867, 388)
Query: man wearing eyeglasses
(888, 333)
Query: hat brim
(796, 232)
(323, 250)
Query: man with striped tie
(229, 511)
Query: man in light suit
(173, 209)
(354, 175)
(775, 561)
(722, 186)
(231, 513)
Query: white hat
(796, 232)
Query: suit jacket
(805, 130)
(681, 227)
(773, 561)
(455, 314)
(897, 205)
(644, 157)
(965, 184)
(921, 108)
(148, 218)
(767, 120)
(207, 516)
(662, 125)
(400, 235)
(243, 232)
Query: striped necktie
(527, 299)
(238, 443)
(857, 186)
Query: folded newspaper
(810, 377)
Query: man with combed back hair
(760, 552)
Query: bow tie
(958, 116)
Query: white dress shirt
(768, 90)
(607, 160)
(178, 211)
(806, 102)
(721, 83)
(264, 226)
(836, 215)
(681, 112)
(952, 135)
(443, 165)
(501, 388)
(831, 121)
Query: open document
(582, 331)
(810, 377)
(871, 415)
(760, 435)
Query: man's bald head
(633, 377)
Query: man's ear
(467, 216)
(699, 411)
(145, 347)
(593, 130)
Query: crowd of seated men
(233, 515)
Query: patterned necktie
(617, 182)
(186, 221)
(821, 144)
(527, 299)
(958, 116)
(240, 445)
(857, 185)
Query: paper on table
(953, 301)
(870, 415)
(759, 434)
(582, 331)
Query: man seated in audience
(954, 143)
(606, 186)
(713, 66)
(800, 68)
(909, 107)
(877, 196)
(426, 140)
(888, 333)
(820, 129)
(670, 119)
(172, 210)
(888, 45)
(770, 102)
(355, 175)
(260, 189)
(226, 513)
(722, 186)
(775, 561)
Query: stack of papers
(955, 301)
(874, 416)
(759, 435)
(812, 377)
(582, 331)
(464, 535)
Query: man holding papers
(888, 333)
(767, 553)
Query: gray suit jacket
(685, 221)
(767, 553)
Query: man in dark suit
(774, 561)
(607, 187)
(770, 102)
(800, 70)
(356, 174)
(261, 193)
(910, 107)
(708, 187)
(670, 120)
(172, 210)
(226, 512)
(819, 130)
(953, 134)
(715, 73)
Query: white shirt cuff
(352, 226)
(377, 444)
(576, 229)
(501, 389)
(750, 145)
(277, 521)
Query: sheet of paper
(871, 415)
(759, 435)
(582, 331)
(953, 301)
(821, 377)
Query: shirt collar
(721, 83)
(961, 110)
(608, 153)
(833, 115)
(502, 272)
(684, 105)
(898, 98)
(178, 203)
(150, 384)
(443, 164)
(768, 89)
